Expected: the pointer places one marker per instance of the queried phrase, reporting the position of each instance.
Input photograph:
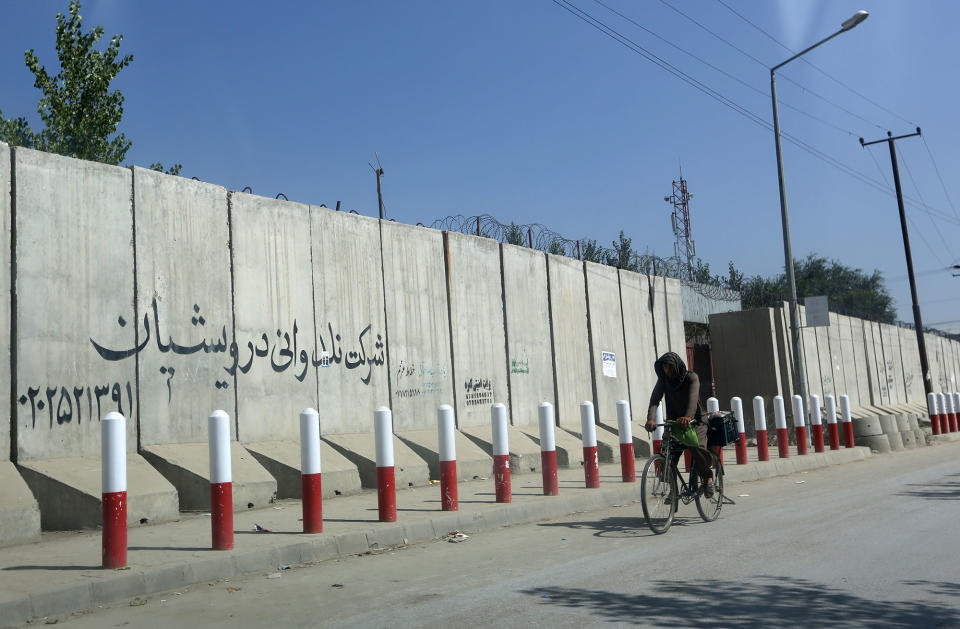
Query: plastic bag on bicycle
(687, 437)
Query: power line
(936, 228)
(724, 72)
(937, 170)
(815, 67)
(785, 77)
(731, 104)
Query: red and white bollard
(942, 413)
(588, 431)
(113, 496)
(548, 450)
(627, 466)
(780, 416)
(310, 479)
(799, 425)
(816, 423)
(737, 405)
(847, 417)
(713, 406)
(934, 416)
(956, 410)
(951, 413)
(386, 480)
(448, 458)
(760, 425)
(832, 432)
(221, 481)
(658, 432)
(501, 453)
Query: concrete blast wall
(476, 326)
(640, 346)
(350, 320)
(273, 303)
(529, 350)
(418, 328)
(5, 221)
(571, 350)
(183, 289)
(74, 261)
(747, 344)
(608, 353)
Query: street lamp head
(853, 20)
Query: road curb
(129, 583)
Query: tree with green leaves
(514, 235)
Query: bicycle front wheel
(658, 494)
(709, 508)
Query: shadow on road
(762, 601)
(941, 490)
(618, 526)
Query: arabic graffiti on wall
(415, 380)
(285, 352)
(478, 391)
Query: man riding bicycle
(681, 391)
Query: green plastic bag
(687, 437)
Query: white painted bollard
(780, 417)
(113, 493)
(816, 423)
(658, 432)
(588, 432)
(386, 481)
(951, 414)
(847, 417)
(799, 425)
(448, 458)
(736, 404)
(501, 453)
(832, 429)
(310, 471)
(934, 414)
(942, 413)
(713, 405)
(955, 426)
(221, 481)
(760, 425)
(548, 450)
(625, 431)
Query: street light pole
(798, 362)
(917, 320)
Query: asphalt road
(871, 544)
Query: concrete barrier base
(876, 443)
(569, 448)
(19, 511)
(361, 449)
(282, 460)
(896, 441)
(68, 492)
(608, 444)
(921, 437)
(867, 426)
(909, 439)
(187, 467)
(524, 452)
(472, 461)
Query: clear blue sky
(520, 110)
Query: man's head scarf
(679, 368)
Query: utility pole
(917, 320)
(379, 172)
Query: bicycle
(658, 488)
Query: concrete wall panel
(934, 360)
(529, 349)
(640, 345)
(184, 290)
(74, 288)
(609, 355)
(879, 371)
(859, 365)
(676, 337)
(744, 349)
(5, 222)
(568, 311)
(894, 363)
(476, 314)
(350, 320)
(781, 322)
(828, 365)
(910, 354)
(816, 373)
(418, 330)
(273, 295)
(841, 348)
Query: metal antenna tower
(684, 248)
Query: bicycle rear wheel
(658, 494)
(709, 508)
